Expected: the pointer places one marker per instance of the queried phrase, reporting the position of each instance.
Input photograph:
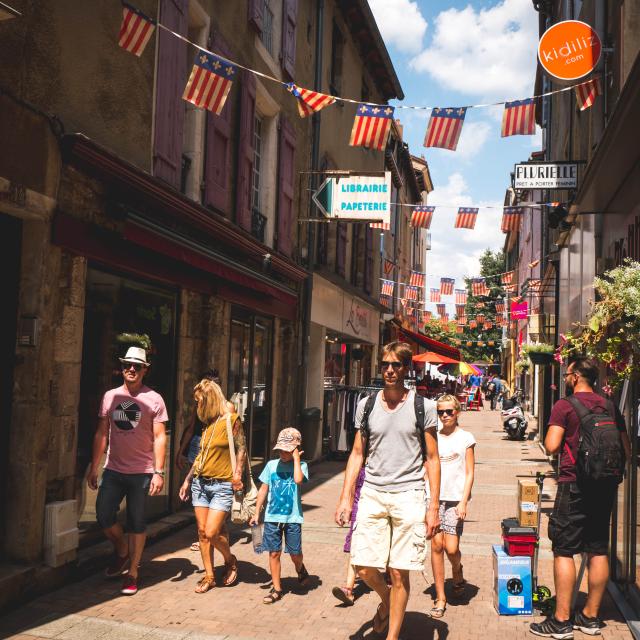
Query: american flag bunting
(411, 293)
(507, 278)
(461, 296)
(587, 93)
(309, 101)
(479, 287)
(446, 286)
(462, 320)
(499, 307)
(487, 325)
(511, 219)
(480, 318)
(427, 316)
(385, 301)
(460, 310)
(445, 125)
(388, 267)
(210, 82)
(466, 218)
(444, 319)
(387, 288)
(371, 126)
(385, 226)
(421, 217)
(519, 118)
(434, 295)
(136, 30)
(441, 309)
(417, 279)
(534, 286)
(510, 288)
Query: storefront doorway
(249, 380)
(117, 305)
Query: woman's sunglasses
(448, 412)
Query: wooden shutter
(368, 260)
(341, 248)
(288, 52)
(217, 164)
(245, 150)
(256, 8)
(286, 182)
(169, 115)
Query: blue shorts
(212, 493)
(272, 537)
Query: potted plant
(612, 332)
(523, 364)
(540, 353)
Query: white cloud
(486, 53)
(401, 23)
(472, 139)
(456, 253)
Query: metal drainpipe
(602, 27)
(311, 234)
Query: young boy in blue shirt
(280, 482)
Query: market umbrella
(460, 368)
(433, 358)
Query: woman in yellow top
(214, 480)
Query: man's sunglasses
(385, 364)
(448, 412)
(128, 365)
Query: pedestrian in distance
(132, 420)
(457, 461)
(588, 433)
(345, 593)
(396, 438)
(214, 480)
(190, 439)
(281, 479)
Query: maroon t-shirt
(563, 415)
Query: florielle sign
(569, 50)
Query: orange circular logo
(569, 50)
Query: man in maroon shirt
(580, 518)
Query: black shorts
(580, 521)
(113, 488)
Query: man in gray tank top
(392, 524)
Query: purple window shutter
(256, 14)
(286, 178)
(169, 116)
(245, 150)
(341, 248)
(289, 20)
(368, 260)
(217, 166)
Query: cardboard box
(512, 588)
(527, 503)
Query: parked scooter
(513, 420)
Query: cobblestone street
(167, 607)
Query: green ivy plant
(537, 347)
(523, 364)
(612, 331)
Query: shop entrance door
(249, 380)
(117, 305)
(10, 243)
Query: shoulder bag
(244, 501)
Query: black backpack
(600, 455)
(418, 405)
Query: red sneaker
(129, 586)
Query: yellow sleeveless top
(214, 459)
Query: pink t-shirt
(131, 419)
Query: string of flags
(212, 76)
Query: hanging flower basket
(541, 358)
(539, 353)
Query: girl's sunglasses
(448, 412)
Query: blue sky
(451, 54)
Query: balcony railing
(258, 225)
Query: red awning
(429, 343)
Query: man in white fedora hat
(132, 419)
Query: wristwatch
(157, 472)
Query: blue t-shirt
(284, 504)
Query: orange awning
(433, 358)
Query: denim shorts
(274, 531)
(116, 486)
(212, 493)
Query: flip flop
(437, 612)
(195, 546)
(344, 594)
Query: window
(337, 55)
(266, 35)
(257, 163)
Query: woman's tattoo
(240, 443)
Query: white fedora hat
(136, 355)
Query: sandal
(206, 584)
(303, 575)
(272, 596)
(344, 594)
(380, 624)
(195, 546)
(437, 612)
(459, 585)
(231, 573)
